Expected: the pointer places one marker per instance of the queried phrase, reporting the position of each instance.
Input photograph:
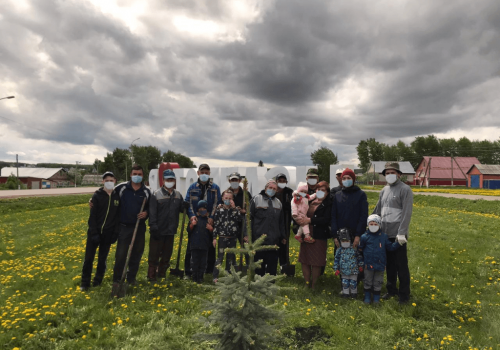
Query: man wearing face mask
(312, 179)
(395, 206)
(266, 212)
(132, 195)
(284, 194)
(203, 189)
(104, 226)
(338, 176)
(164, 208)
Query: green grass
(453, 254)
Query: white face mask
(235, 185)
(320, 194)
(109, 185)
(302, 194)
(169, 184)
(345, 244)
(312, 182)
(391, 178)
(373, 228)
(281, 185)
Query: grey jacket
(395, 206)
(265, 220)
(164, 210)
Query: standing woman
(349, 209)
(312, 256)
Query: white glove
(401, 239)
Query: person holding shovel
(132, 195)
(164, 208)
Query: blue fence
(491, 184)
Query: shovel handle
(131, 246)
(180, 239)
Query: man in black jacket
(338, 176)
(104, 226)
(164, 208)
(284, 194)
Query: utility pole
(451, 168)
(76, 171)
(17, 165)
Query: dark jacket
(265, 220)
(227, 222)
(334, 190)
(131, 202)
(238, 198)
(321, 220)
(286, 201)
(374, 246)
(104, 216)
(200, 237)
(164, 210)
(349, 210)
(209, 192)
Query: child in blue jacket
(374, 244)
(200, 239)
(348, 262)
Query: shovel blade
(177, 272)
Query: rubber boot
(376, 299)
(368, 297)
(152, 273)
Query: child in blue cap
(200, 240)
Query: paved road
(452, 195)
(47, 192)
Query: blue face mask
(204, 177)
(347, 183)
(270, 192)
(136, 179)
(202, 212)
(227, 202)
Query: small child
(348, 262)
(300, 206)
(227, 221)
(200, 233)
(374, 244)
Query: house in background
(376, 167)
(36, 178)
(444, 171)
(484, 176)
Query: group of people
(365, 246)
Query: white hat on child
(375, 218)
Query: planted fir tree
(241, 311)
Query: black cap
(280, 175)
(108, 173)
(203, 166)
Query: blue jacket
(131, 202)
(194, 195)
(199, 236)
(374, 246)
(349, 210)
(347, 261)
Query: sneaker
(345, 296)
(388, 296)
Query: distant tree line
(121, 159)
(487, 152)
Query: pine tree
(240, 310)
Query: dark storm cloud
(424, 68)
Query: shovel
(240, 267)
(288, 269)
(119, 290)
(176, 271)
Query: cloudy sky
(239, 81)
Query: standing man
(164, 208)
(284, 194)
(338, 176)
(395, 206)
(104, 226)
(234, 185)
(132, 195)
(312, 179)
(203, 189)
(266, 212)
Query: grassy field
(443, 189)
(454, 264)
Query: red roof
(441, 166)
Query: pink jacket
(301, 206)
